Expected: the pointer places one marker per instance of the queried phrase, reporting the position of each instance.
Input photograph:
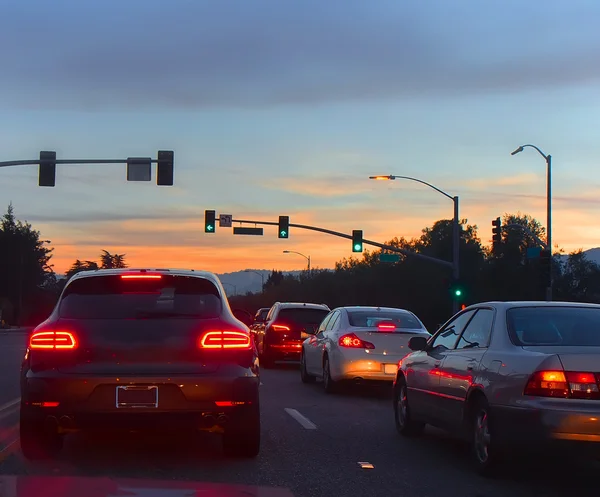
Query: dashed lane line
(304, 421)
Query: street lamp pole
(455, 225)
(262, 278)
(548, 159)
(307, 257)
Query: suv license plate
(137, 396)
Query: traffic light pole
(455, 250)
(349, 237)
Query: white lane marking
(10, 404)
(304, 421)
(366, 465)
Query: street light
(262, 277)
(548, 159)
(231, 284)
(455, 224)
(307, 257)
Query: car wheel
(265, 360)
(329, 384)
(405, 424)
(482, 443)
(37, 441)
(242, 439)
(304, 376)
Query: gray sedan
(506, 374)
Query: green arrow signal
(283, 233)
(209, 227)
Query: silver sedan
(506, 374)
(359, 344)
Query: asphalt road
(313, 444)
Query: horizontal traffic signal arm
(349, 237)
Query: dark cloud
(195, 54)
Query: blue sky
(286, 107)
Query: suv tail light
(563, 384)
(52, 340)
(280, 327)
(352, 341)
(225, 340)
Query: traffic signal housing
(357, 241)
(165, 168)
(284, 227)
(47, 171)
(496, 233)
(209, 221)
(545, 267)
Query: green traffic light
(209, 227)
(283, 233)
(458, 293)
(358, 247)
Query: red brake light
(563, 384)
(386, 326)
(52, 340)
(225, 340)
(141, 276)
(280, 327)
(352, 341)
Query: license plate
(137, 396)
(390, 368)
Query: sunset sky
(285, 108)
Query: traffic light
(284, 227)
(209, 221)
(164, 168)
(357, 241)
(496, 232)
(545, 267)
(47, 172)
(457, 290)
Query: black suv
(287, 325)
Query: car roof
(288, 305)
(500, 305)
(174, 272)
(372, 308)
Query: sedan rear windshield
(302, 315)
(554, 325)
(112, 297)
(369, 319)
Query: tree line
(29, 285)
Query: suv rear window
(111, 297)
(302, 316)
(554, 325)
(369, 319)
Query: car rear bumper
(85, 402)
(532, 427)
(360, 365)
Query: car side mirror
(417, 343)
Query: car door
(313, 348)
(460, 366)
(422, 368)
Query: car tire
(304, 376)
(483, 448)
(265, 359)
(330, 385)
(37, 442)
(242, 439)
(405, 424)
